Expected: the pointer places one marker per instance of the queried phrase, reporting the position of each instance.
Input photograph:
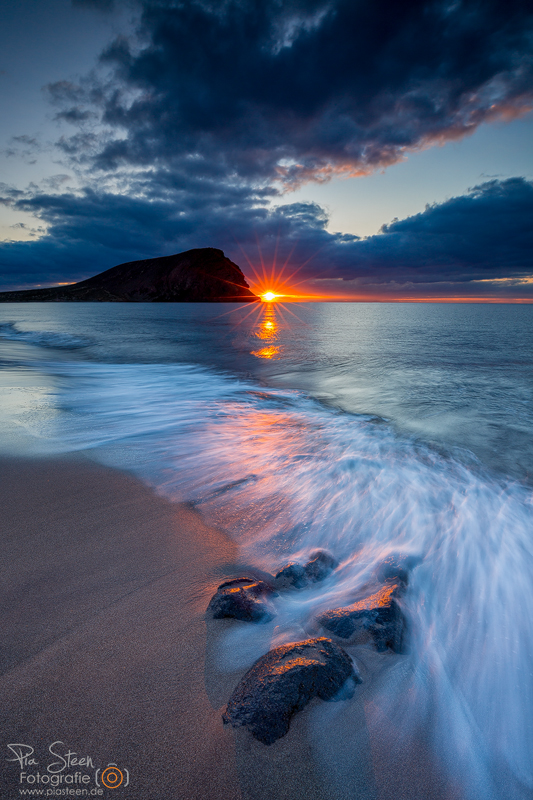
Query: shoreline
(103, 636)
(106, 649)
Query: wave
(10, 332)
(286, 475)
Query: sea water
(363, 429)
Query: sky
(361, 151)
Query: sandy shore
(105, 648)
(102, 628)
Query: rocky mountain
(204, 275)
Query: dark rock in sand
(203, 275)
(284, 680)
(320, 565)
(377, 615)
(241, 598)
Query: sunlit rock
(377, 616)
(320, 565)
(241, 598)
(284, 680)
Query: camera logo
(112, 777)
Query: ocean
(363, 429)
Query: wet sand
(105, 648)
(103, 639)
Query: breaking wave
(10, 332)
(285, 475)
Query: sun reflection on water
(267, 330)
(267, 352)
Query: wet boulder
(319, 566)
(396, 568)
(241, 598)
(292, 574)
(284, 680)
(377, 616)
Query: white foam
(10, 332)
(285, 475)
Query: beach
(103, 635)
(107, 654)
(105, 640)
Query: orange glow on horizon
(290, 297)
(276, 283)
(286, 294)
(346, 298)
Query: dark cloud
(302, 89)
(92, 230)
(56, 182)
(485, 235)
(65, 92)
(29, 141)
(23, 147)
(75, 115)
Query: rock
(396, 568)
(283, 681)
(241, 598)
(377, 615)
(291, 575)
(203, 275)
(320, 565)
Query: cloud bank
(485, 235)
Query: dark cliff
(204, 275)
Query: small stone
(320, 565)
(291, 575)
(284, 680)
(241, 598)
(378, 615)
(396, 568)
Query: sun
(268, 297)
